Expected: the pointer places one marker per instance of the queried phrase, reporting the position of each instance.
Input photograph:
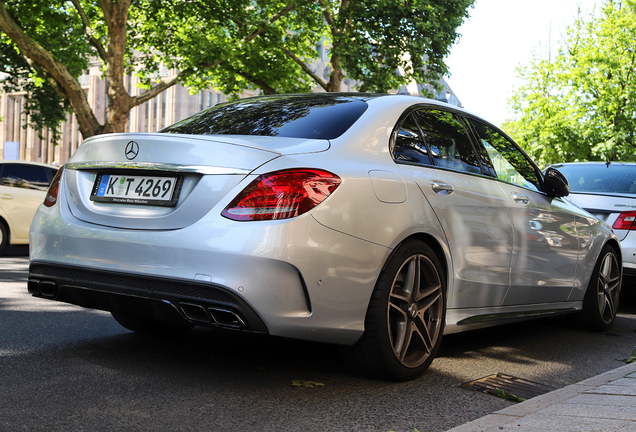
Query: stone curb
(606, 402)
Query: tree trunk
(336, 77)
(119, 101)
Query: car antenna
(608, 163)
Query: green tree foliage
(44, 107)
(581, 104)
(231, 45)
(56, 39)
(372, 39)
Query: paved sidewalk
(606, 402)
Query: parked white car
(23, 186)
(608, 191)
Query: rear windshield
(312, 117)
(600, 178)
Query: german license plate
(137, 189)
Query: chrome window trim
(198, 169)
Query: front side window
(447, 140)
(409, 146)
(509, 162)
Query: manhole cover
(508, 385)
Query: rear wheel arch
(432, 243)
(617, 250)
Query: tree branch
(272, 20)
(257, 32)
(326, 13)
(305, 68)
(107, 9)
(151, 93)
(267, 89)
(47, 77)
(89, 32)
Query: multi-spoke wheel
(601, 298)
(414, 311)
(405, 319)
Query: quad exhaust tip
(192, 311)
(42, 288)
(212, 315)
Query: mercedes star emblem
(132, 150)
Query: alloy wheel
(415, 310)
(608, 287)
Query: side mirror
(556, 185)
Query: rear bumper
(292, 278)
(629, 269)
(166, 300)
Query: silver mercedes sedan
(375, 222)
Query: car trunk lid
(206, 169)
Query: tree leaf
(629, 360)
(306, 384)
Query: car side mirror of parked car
(556, 185)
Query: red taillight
(625, 221)
(282, 195)
(51, 195)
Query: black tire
(405, 319)
(4, 235)
(601, 298)
(149, 327)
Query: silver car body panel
(545, 248)
(311, 277)
(475, 221)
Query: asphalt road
(64, 368)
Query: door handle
(7, 197)
(521, 199)
(442, 188)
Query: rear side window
(26, 176)
(311, 117)
(447, 140)
(409, 146)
